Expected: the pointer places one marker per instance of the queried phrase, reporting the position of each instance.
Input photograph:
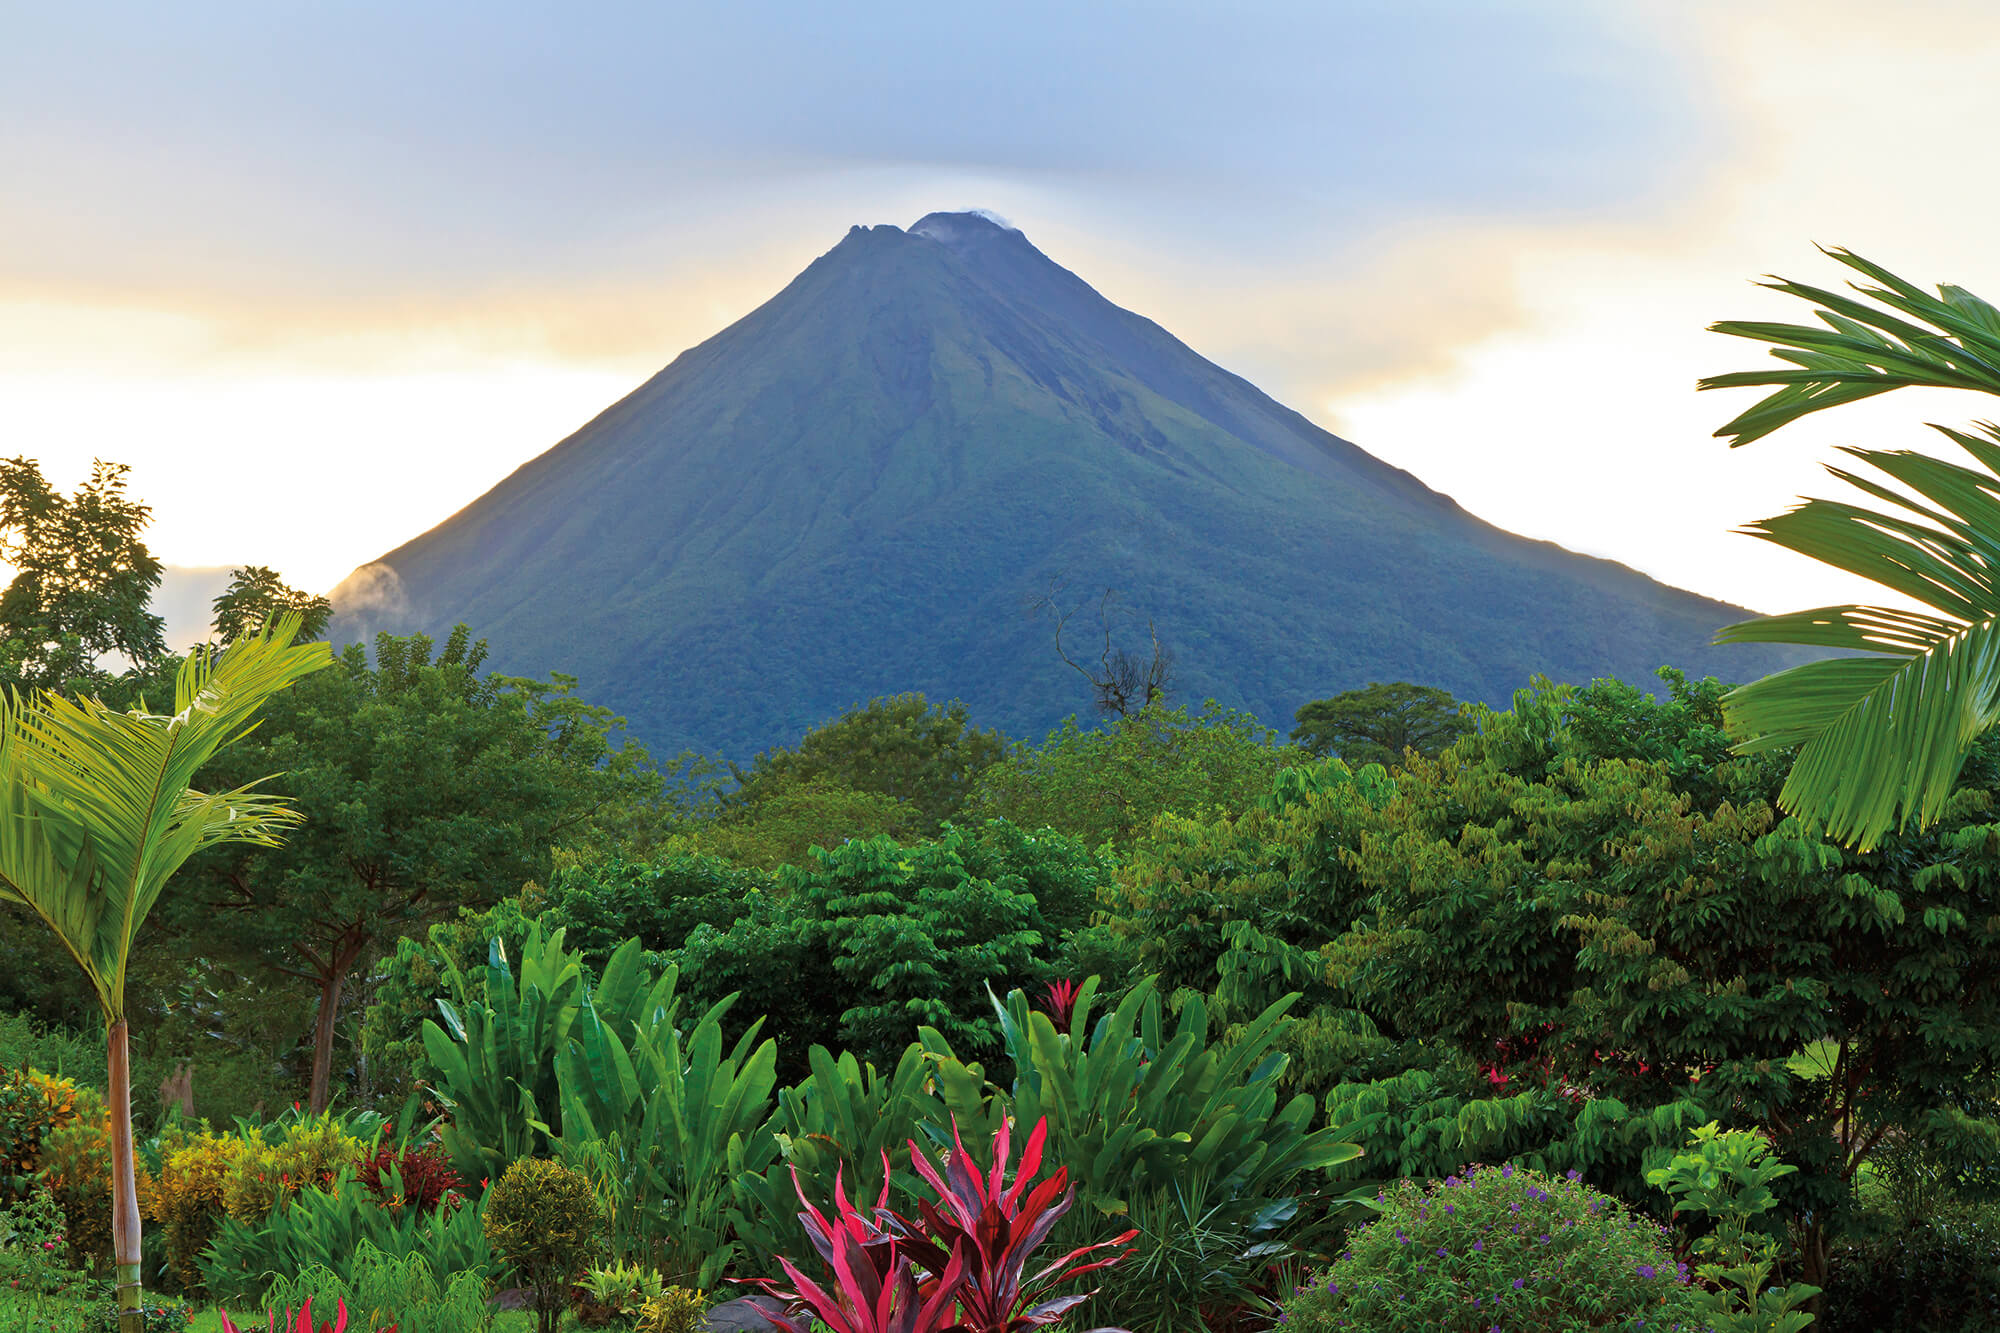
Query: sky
(322, 274)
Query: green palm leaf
(98, 804)
(1881, 737)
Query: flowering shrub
(1499, 1248)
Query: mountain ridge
(851, 490)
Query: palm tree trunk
(124, 1184)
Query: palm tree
(96, 812)
(1882, 732)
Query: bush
(675, 1310)
(1940, 1275)
(32, 1104)
(1501, 1246)
(295, 1154)
(189, 1199)
(32, 1249)
(417, 1177)
(543, 1219)
(76, 1170)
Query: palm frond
(1864, 350)
(1881, 737)
(89, 785)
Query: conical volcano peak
(851, 491)
(973, 225)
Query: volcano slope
(857, 489)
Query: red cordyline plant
(300, 1321)
(1059, 1000)
(962, 1268)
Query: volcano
(856, 490)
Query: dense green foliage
(865, 943)
(1105, 784)
(922, 754)
(425, 785)
(1375, 725)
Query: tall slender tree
(97, 811)
(1883, 731)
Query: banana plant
(664, 1121)
(496, 1054)
(1135, 1106)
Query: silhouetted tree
(1121, 683)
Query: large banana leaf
(99, 807)
(1881, 736)
(1137, 1107)
(496, 1054)
(665, 1121)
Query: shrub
(188, 1201)
(1941, 1275)
(76, 1170)
(616, 1294)
(1728, 1176)
(674, 1310)
(543, 1219)
(32, 1104)
(972, 1248)
(1501, 1246)
(32, 1248)
(293, 1155)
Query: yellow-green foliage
(76, 1169)
(189, 1200)
(32, 1105)
(675, 1310)
(543, 1219)
(310, 1153)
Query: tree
(256, 594)
(1881, 735)
(427, 787)
(1585, 928)
(83, 580)
(1376, 725)
(1120, 683)
(903, 747)
(1109, 783)
(858, 946)
(788, 822)
(99, 814)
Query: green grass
(19, 1314)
